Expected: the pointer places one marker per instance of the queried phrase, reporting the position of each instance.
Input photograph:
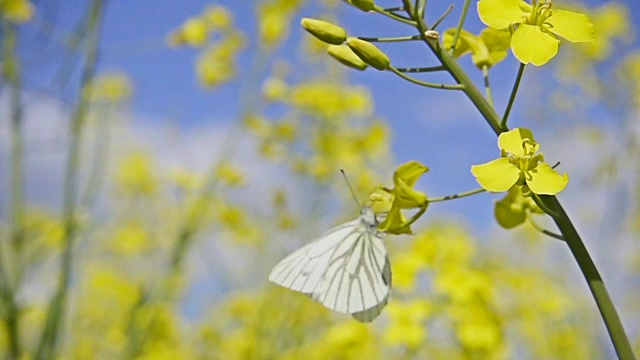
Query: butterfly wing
(346, 269)
(303, 270)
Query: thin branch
(424, 83)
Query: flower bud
(346, 56)
(364, 5)
(324, 31)
(369, 53)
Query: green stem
(390, 39)
(512, 98)
(463, 17)
(100, 163)
(544, 231)
(442, 17)
(9, 285)
(569, 233)
(393, 16)
(424, 83)
(47, 347)
(419, 9)
(596, 285)
(457, 196)
(487, 86)
(422, 69)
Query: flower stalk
(47, 348)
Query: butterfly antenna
(353, 193)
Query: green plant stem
(544, 231)
(457, 196)
(424, 83)
(419, 9)
(442, 17)
(8, 282)
(47, 347)
(596, 284)
(578, 250)
(512, 98)
(422, 69)
(393, 16)
(487, 86)
(463, 17)
(390, 39)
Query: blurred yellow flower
(405, 268)
(137, 175)
(216, 64)
(130, 239)
(230, 175)
(477, 330)
(17, 11)
(408, 325)
(611, 22)
(194, 32)
(463, 284)
(218, 17)
(274, 22)
(186, 179)
(109, 87)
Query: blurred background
(157, 158)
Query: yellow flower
(521, 164)
(402, 196)
(487, 49)
(534, 27)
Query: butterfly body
(346, 269)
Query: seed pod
(364, 5)
(369, 53)
(346, 56)
(324, 31)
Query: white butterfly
(346, 269)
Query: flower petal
(543, 180)
(512, 140)
(497, 175)
(409, 172)
(508, 212)
(395, 222)
(532, 45)
(466, 41)
(497, 42)
(499, 14)
(408, 198)
(572, 26)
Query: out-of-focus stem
(9, 280)
(52, 331)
